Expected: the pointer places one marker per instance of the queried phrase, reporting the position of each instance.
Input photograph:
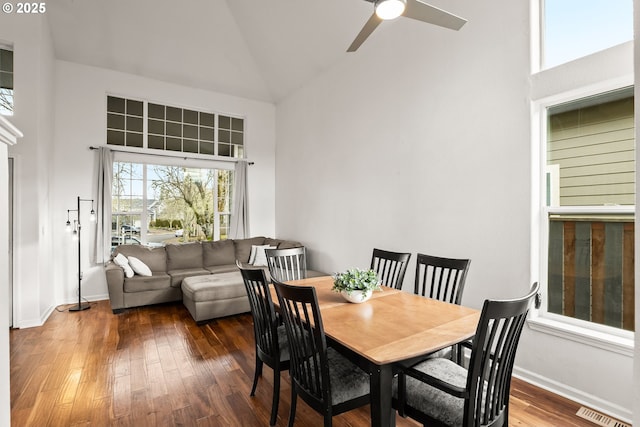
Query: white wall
(33, 115)
(5, 391)
(8, 137)
(601, 380)
(80, 117)
(420, 142)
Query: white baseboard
(89, 298)
(34, 323)
(593, 402)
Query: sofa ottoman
(215, 295)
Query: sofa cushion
(243, 247)
(258, 257)
(288, 244)
(154, 258)
(282, 244)
(214, 269)
(147, 283)
(177, 276)
(139, 267)
(221, 252)
(123, 262)
(214, 287)
(185, 255)
(271, 242)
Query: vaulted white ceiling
(257, 49)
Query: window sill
(603, 340)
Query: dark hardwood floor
(154, 366)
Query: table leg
(382, 414)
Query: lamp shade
(389, 9)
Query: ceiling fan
(415, 9)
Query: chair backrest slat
(441, 278)
(390, 267)
(492, 357)
(309, 367)
(262, 309)
(287, 264)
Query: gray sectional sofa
(171, 264)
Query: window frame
(238, 149)
(582, 331)
(170, 160)
(538, 9)
(10, 48)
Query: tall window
(576, 28)
(173, 129)
(159, 204)
(590, 170)
(6, 82)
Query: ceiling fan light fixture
(389, 9)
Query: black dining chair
(439, 392)
(271, 344)
(327, 381)
(287, 264)
(390, 267)
(442, 279)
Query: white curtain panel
(102, 249)
(239, 228)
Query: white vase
(356, 296)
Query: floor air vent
(599, 419)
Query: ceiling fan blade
(366, 31)
(416, 9)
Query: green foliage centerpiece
(356, 285)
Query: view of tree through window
(6, 82)
(158, 204)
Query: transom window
(576, 28)
(174, 129)
(6, 82)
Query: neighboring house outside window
(591, 149)
(584, 171)
(6, 81)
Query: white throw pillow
(123, 262)
(252, 256)
(260, 258)
(254, 251)
(139, 267)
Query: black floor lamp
(76, 236)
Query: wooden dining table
(392, 326)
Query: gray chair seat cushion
(283, 343)
(214, 287)
(430, 400)
(147, 283)
(347, 380)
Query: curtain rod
(169, 155)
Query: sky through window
(576, 28)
